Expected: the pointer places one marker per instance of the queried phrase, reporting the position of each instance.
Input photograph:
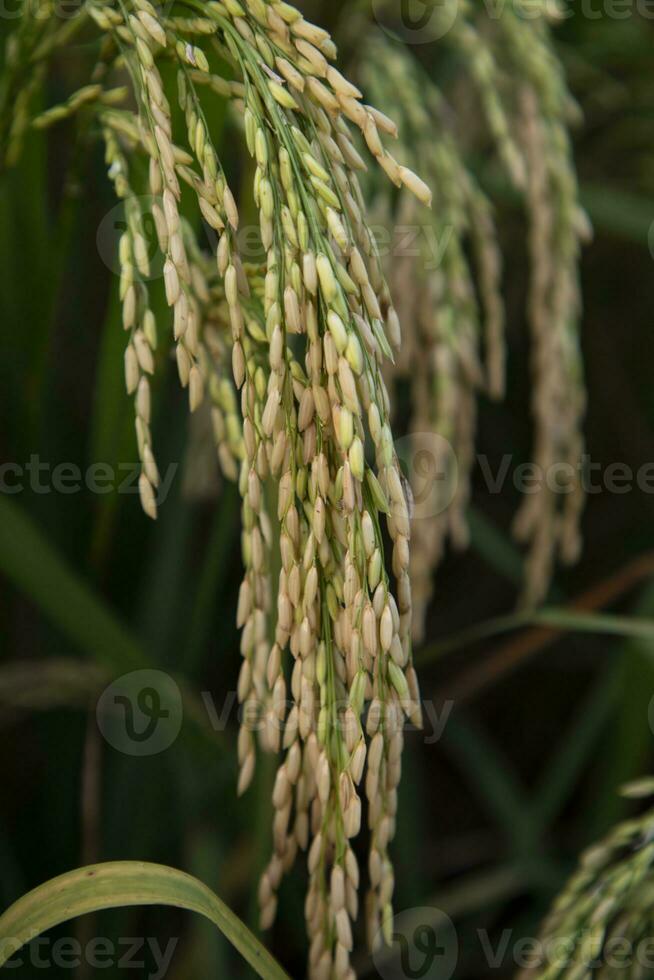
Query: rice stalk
(327, 671)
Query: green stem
(551, 618)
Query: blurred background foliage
(547, 722)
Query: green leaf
(206, 854)
(29, 560)
(126, 883)
(562, 620)
(35, 567)
(618, 212)
(576, 745)
(494, 781)
(627, 753)
(495, 548)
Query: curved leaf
(125, 883)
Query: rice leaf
(126, 883)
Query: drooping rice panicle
(138, 318)
(451, 308)
(540, 111)
(303, 424)
(549, 520)
(308, 333)
(457, 315)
